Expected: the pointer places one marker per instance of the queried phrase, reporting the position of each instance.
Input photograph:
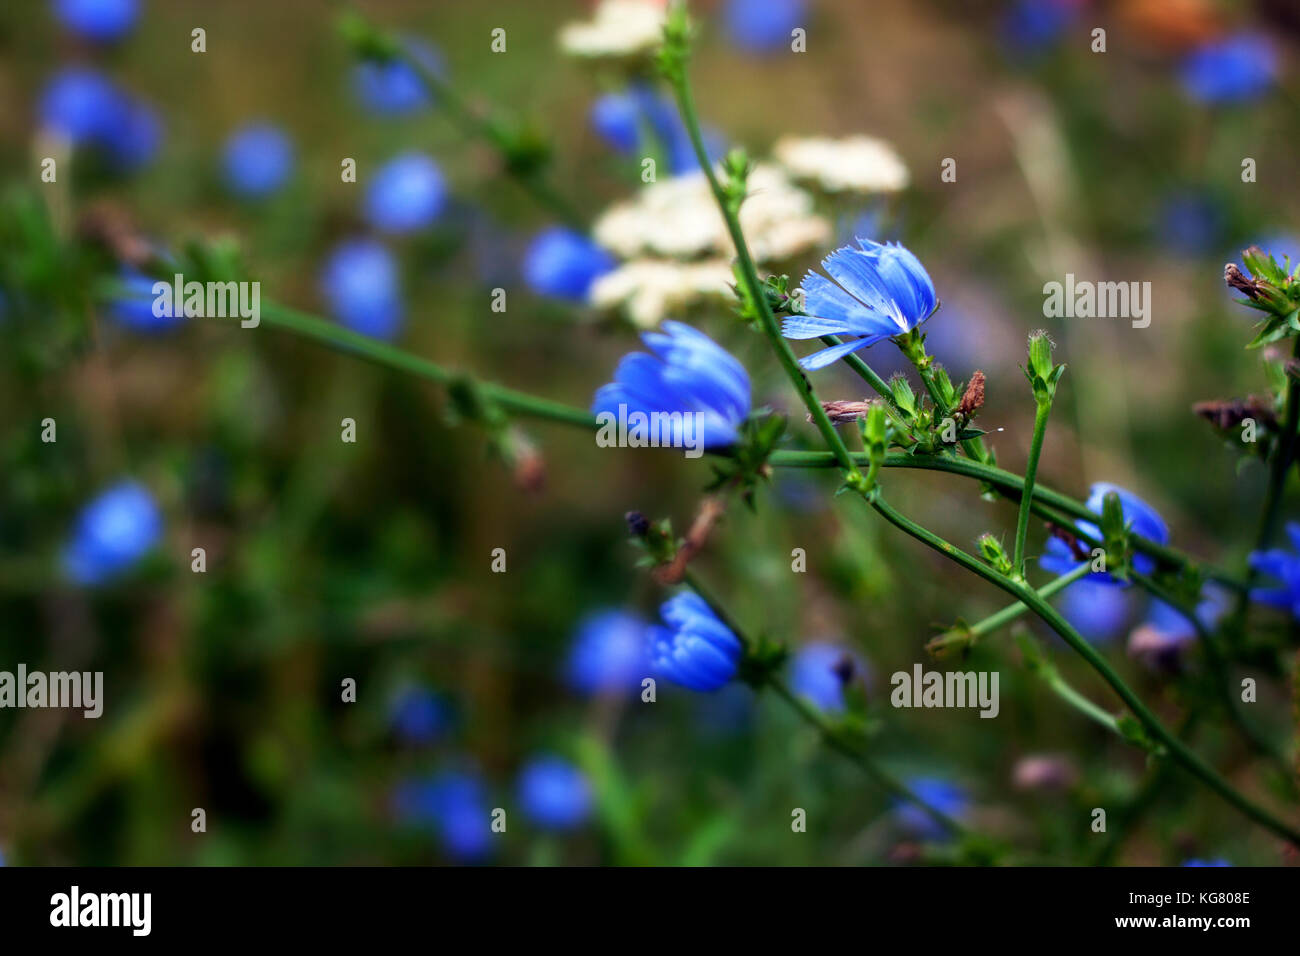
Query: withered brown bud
(109, 225)
(973, 399)
(1230, 413)
(1236, 279)
(841, 412)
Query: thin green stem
(816, 718)
(381, 353)
(963, 636)
(1180, 752)
(754, 286)
(1012, 486)
(1044, 409)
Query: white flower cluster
(618, 28)
(858, 164)
(676, 246)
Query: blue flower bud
(418, 715)
(563, 263)
(133, 140)
(80, 105)
(256, 161)
(100, 20)
(882, 291)
(455, 805)
(133, 308)
(686, 372)
(406, 194)
(695, 650)
(554, 793)
(943, 795)
(608, 653)
(1284, 565)
(111, 533)
(361, 284)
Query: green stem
(1012, 486)
(1180, 752)
(966, 636)
(381, 353)
(754, 286)
(1044, 409)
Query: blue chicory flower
(883, 291)
(80, 104)
(622, 119)
(361, 284)
(133, 308)
(563, 263)
(1234, 69)
(112, 532)
(686, 372)
(1031, 26)
(946, 797)
(100, 20)
(395, 88)
(554, 793)
(257, 160)
(406, 194)
(1189, 222)
(820, 671)
(1140, 517)
(1218, 861)
(134, 139)
(454, 804)
(695, 650)
(608, 653)
(418, 715)
(1284, 565)
(1097, 611)
(764, 26)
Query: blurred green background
(372, 560)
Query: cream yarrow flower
(859, 164)
(618, 28)
(650, 289)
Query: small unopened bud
(973, 398)
(1236, 279)
(1040, 371)
(840, 412)
(1044, 772)
(638, 525)
(994, 553)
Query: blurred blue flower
(608, 653)
(1140, 517)
(764, 26)
(563, 263)
(257, 160)
(883, 291)
(133, 308)
(406, 194)
(1230, 70)
(1097, 611)
(820, 671)
(134, 138)
(696, 649)
(1219, 861)
(1166, 633)
(554, 793)
(112, 533)
(623, 118)
(418, 715)
(1031, 26)
(361, 284)
(687, 372)
(394, 88)
(80, 104)
(1189, 222)
(1284, 565)
(946, 797)
(455, 804)
(99, 20)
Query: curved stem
(1044, 409)
(962, 636)
(1177, 749)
